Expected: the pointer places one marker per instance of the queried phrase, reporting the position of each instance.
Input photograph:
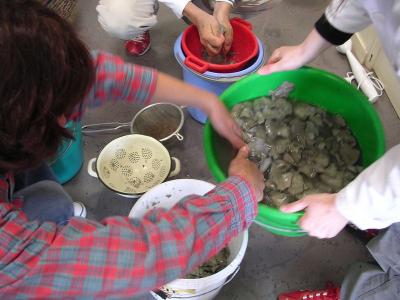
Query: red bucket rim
(246, 26)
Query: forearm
(177, 6)
(117, 80)
(312, 46)
(170, 89)
(122, 257)
(372, 200)
(222, 9)
(194, 13)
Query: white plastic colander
(133, 164)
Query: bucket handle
(177, 167)
(196, 64)
(179, 136)
(246, 24)
(90, 167)
(164, 295)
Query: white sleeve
(348, 16)
(372, 200)
(177, 6)
(231, 2)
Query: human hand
(241, 166)
(224, 124)
(211, 33)
(282, 59)
(221, 12)
(321, 219)
(293, 57)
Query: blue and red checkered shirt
(117, 257)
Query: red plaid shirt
(117, 257)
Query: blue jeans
(44, 199)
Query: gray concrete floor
(272, 264)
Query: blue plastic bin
(211, 81)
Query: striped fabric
(118, 81)
(118, 257)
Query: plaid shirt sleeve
(116, 80)
(119, 257)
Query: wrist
(222, 9)
(304, 55)
(193, 13)
(211, 105)
(313, 45)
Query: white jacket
(372, 200)
(177, 6)
(354, 15)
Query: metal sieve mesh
(159, 120)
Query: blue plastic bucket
(69, 158)
(211, 81)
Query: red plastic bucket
(244, 48)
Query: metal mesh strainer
(133, 164)
(162, 121)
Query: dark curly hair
(45, 73)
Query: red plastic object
(329, 293)
(244, 48)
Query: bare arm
(293, 57)
(211, 35)
(170, 89)
(221, 13)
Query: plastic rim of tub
(313, 86)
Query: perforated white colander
(133, 164)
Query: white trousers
(126, 19)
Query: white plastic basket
(166, 195)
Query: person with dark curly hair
(47, 78)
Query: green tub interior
(312, 86)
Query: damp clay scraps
(219, 59)
(300, 148)
(212, 266)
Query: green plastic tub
(312, 86)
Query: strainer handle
(90, 167)
(177, 167)
(104, 127)
(179, 136)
